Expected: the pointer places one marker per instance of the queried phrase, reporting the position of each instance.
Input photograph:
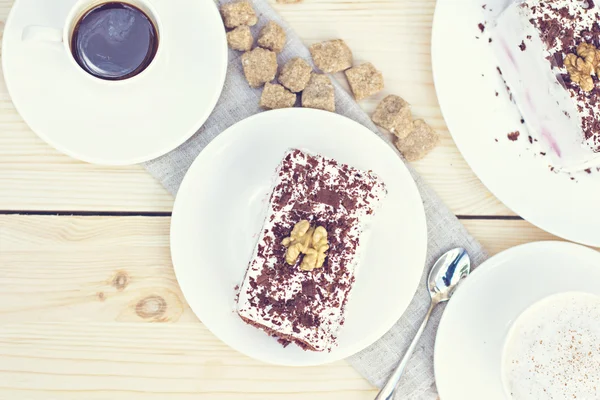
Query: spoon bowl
(446, 273)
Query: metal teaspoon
(446, 273)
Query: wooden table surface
(84, 249)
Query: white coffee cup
(61, 37)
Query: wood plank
(393, 34)
(499, 235)
(150, 361)
(79, 318)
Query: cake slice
(302, 270)
(547, 54)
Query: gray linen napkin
(238, 102)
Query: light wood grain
(499, 235)
(153, 361)
(393, 34)
(90, 308)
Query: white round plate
(117, 122)
(220, 209)
(466, 81)
(472, 333)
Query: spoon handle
(387, 392)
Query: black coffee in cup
(114, 41)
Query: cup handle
(36, 33)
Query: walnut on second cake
(582, 65)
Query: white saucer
(473, 330)
(220, 209)
(466, 81)
(123, 122)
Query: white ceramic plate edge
(376, 334)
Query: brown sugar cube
(276, 96)
(295, 74)
(421, 140)
(364, 80)
(238, 13)
(240, 38)
(319, 93)
(260, 66)
(272, 37)
(394, 114)
(331, 56)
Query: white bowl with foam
(500, 301)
